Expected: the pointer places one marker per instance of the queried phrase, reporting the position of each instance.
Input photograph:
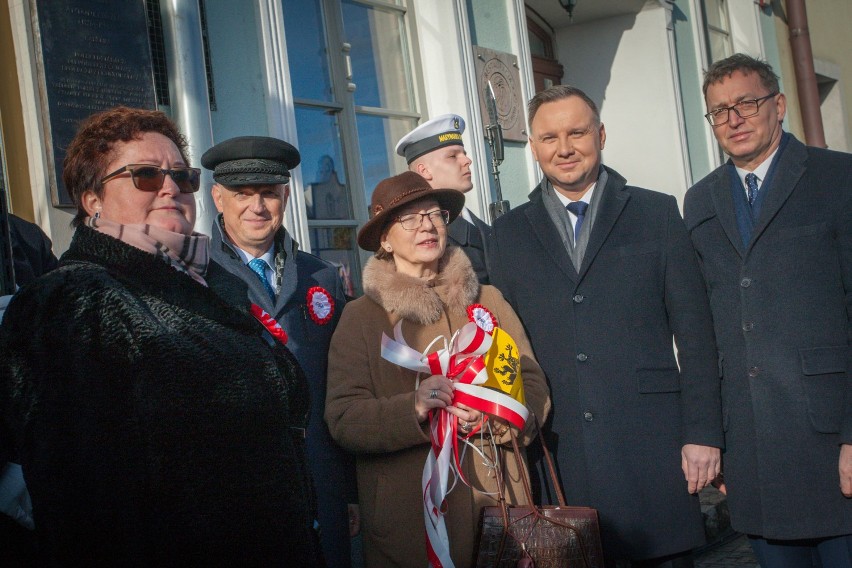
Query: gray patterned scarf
(186, 253)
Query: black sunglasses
(152, 178)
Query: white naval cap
(444, 130)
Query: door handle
(346, 48)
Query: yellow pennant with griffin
(503, 364)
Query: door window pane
(379, 56)
(378, 136)
(720, 45)
(323, 169)
(306, 48)
(337, 246)
(716, 15)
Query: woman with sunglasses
(381, 411)
(156, 424)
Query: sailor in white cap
(435, 151)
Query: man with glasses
(304, 294)
(435, 150)
(773, 231)
(603, 277)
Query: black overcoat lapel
(542, 226)
(723, 204)
(612, 203)
(790, 169)
(458, 231)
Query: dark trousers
(18, 546)
(835, 552)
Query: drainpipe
(188, 90)
(803, 63)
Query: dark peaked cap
(251, 160)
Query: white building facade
(343, 80)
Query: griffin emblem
(509, 369)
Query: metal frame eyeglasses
(412, 222)
(744, 109)
(151, 178)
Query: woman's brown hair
(91, 150)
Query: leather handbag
(541, 537)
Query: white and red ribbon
(270, 323)
(462, 361)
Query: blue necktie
(258, 266)
(578, 208)
(751, 188)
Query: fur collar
(423, 301)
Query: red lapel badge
(482, 317)
(320, 305)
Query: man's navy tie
(578, 208)
(258, 266)
(751, 187)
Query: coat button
(588, 416)
(748, 326)
(578, 298)
(753, 372)
(745, 282)
(582, 357)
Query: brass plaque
(91, 55)
(502, 70)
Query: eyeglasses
(744, 109)
(412, 222)
(152, 178)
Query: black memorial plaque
(92, 55)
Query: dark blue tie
(258, 266)
(751, 188)
(578, 208)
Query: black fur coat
(154, 423)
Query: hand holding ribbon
(475, 373)
(434, 393)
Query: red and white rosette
(460, 360)
(320, 305)
(482, 316)
(271, 325)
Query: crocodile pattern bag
(540, 537)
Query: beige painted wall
(831, 43)
(14, 139)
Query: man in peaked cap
(255, 260)
(435, 151)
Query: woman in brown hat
(380, 410)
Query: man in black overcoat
(31, 250)
(435, 150)
(773, 231)
(255, 260)
(603, 276)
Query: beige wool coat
(370, 407)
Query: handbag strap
(501, 503)
(522, 473)
(560, 497)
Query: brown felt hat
(394, 193)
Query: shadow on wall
(588, 51)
